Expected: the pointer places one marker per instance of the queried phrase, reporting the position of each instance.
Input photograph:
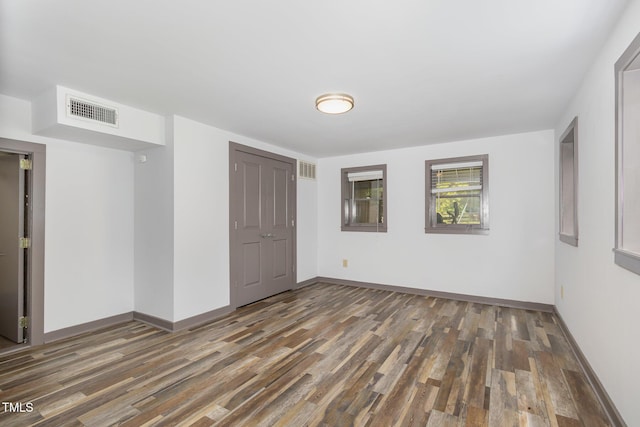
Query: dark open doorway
(14, 244)
(22, 188)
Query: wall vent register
(82, 109)
(306, 170)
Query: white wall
(515, 261)
(201, 250)
(175, 210)
(153, 198)
(90, 193)
(200, 257)
(600, 301)
(307, 228)
(88, 224)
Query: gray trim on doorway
(234, 147)
(601, 393)
(569, 136)
(35, 279)
(622, 256)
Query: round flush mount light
(334, 103)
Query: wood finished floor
(6, 343)
(323, 355)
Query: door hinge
(235, 167)
(293, 222)
(26, 164)
(24, 243)
(293, 177)
(23, 322)
(235, 224)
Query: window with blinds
(457, 195)
(363, 195)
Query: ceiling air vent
(306, 170)
(81, 109)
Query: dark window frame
(346, 220)
(628, 61)
(568, 203)
(432, 226)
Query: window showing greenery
(627, 71)
(363, 195)
(457, 195)
(569, 184)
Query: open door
(12, 256)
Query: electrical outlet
(345, 263)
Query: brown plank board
(475, 392)
(556, 386)
(503, 407)
(591, 413)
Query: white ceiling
(421, 71)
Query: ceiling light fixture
(334, 103)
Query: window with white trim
(364, 192)
(457, 195)
(627, 241)
(569, 184)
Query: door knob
(265, 235)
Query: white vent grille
(82, 109)
(306, 170)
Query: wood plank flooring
(323, 355)
(6, 343)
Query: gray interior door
(11, 256)
(265, 209)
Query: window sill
(457, 230)
(627, 260)
(569, 240)
(365, 228)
